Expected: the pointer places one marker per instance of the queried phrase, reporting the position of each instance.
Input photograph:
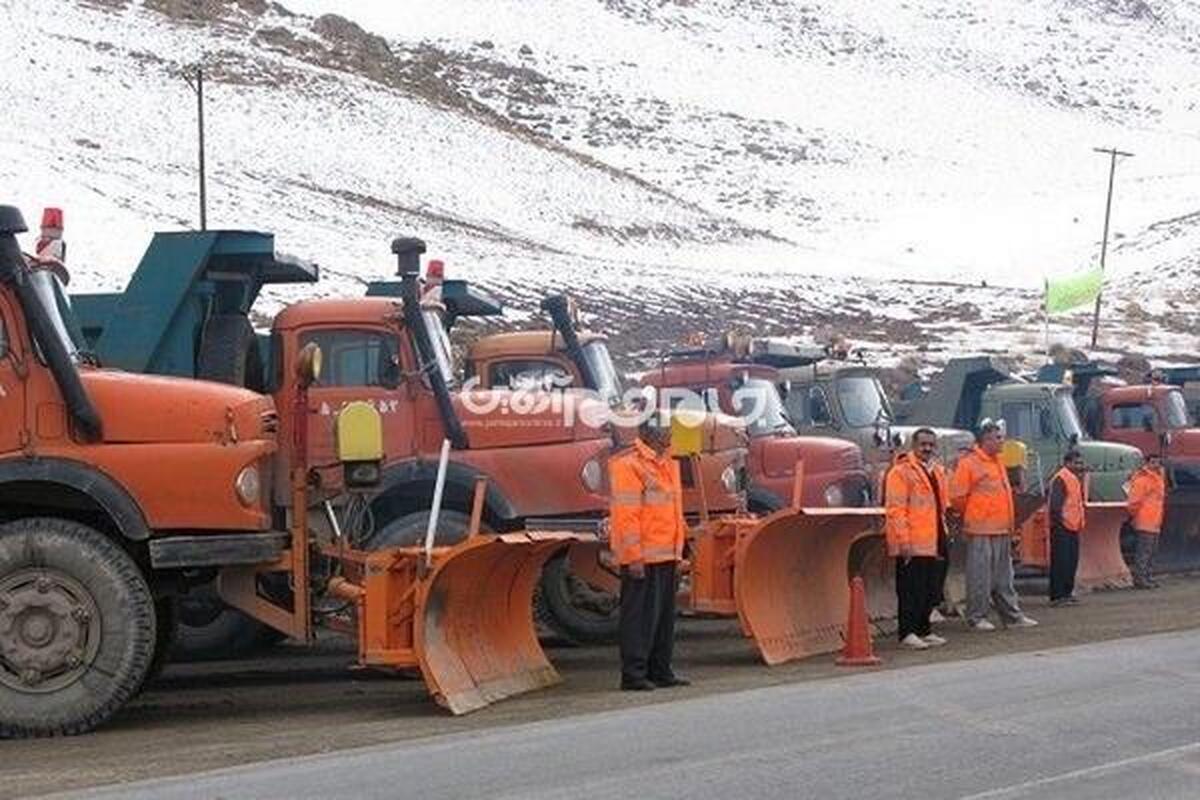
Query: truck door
(12, 389)
(1021, 423)
(357, 364)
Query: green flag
(1063, 294)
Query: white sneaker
(1023, 622)
(935, 617)
(982, 625)
(933, 640)
(914, 642)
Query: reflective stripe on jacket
(645, 507)
(980, 492)
(914, 511)
(1073, 517)
(1147, 495)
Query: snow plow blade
(466, 621)
(787, 576)
(1101, 565)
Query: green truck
(826, 396)
(1042, 415)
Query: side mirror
(308, 365)
(389, 377)
(785, 388)
(1164, 440)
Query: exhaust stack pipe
(408, 266)
(14, 271)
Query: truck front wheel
(77, 628)
(574, 609)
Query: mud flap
(473, 628)
(1101, 565)
(792, 572)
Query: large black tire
(229, 352)
(574, 610)
(77, 628)
(167, 622)
(409, 530)
(209, 630)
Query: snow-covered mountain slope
(681, 165)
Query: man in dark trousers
(915, 496)
(647, 531)
(1068, 496)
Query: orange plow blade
(1101, 565)
(473, 629)
(792, 578)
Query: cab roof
(524, 343)
(342, 310)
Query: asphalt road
(1115, 719)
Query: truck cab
(373, 352)
(834, 472)
(1152, 417)
(1042, 415)
(830, 397)
(548, 360)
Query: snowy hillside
(682, 165)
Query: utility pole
(195, 80)
(1112, 171)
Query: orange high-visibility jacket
(913, 509)
(980, 492)
(1073, 516)
(1147, 494)
(645, 507)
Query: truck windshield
(54, 301)
(758, 403)
(600, 364)
(441, 344)
(1068, 417)
(862, 401)
(1176, 410)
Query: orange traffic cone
(857, 652)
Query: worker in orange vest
(647, 529)
(981, 496)
(1147, 497)
(915, 493)
(1068, 496)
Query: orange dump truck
(119, 492)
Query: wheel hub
(49, 630)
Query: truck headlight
(248, 486)
(729, 480)
(834, 497)
(592, 476)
